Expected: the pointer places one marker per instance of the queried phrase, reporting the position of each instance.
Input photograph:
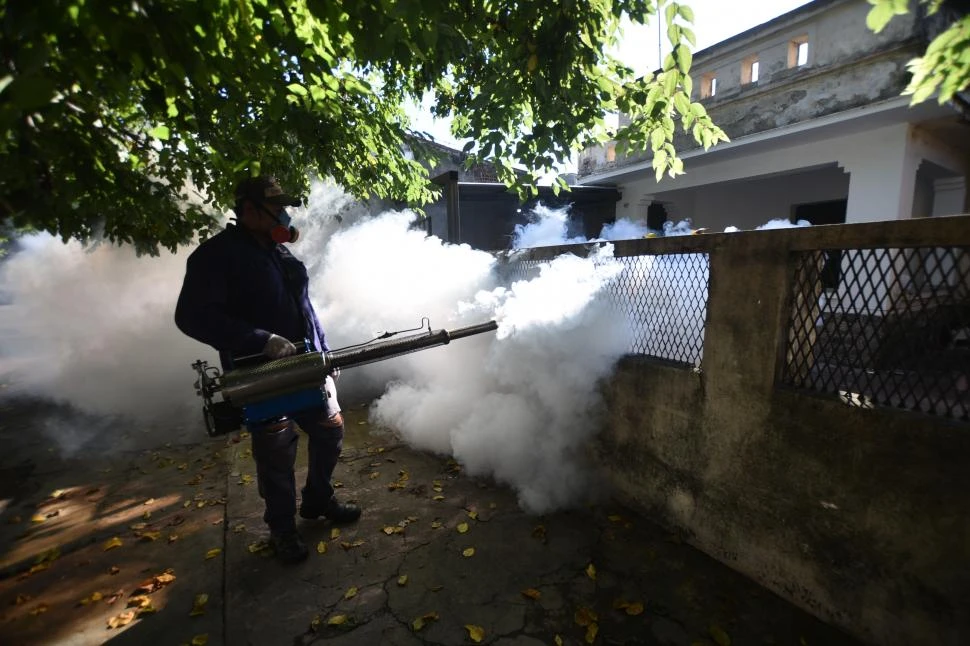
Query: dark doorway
(818, 213)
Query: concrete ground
(167, 546)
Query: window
(611, 152)
(798, 51)
(749, 70)
(708, 85)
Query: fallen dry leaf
(114, 569)
(462, 528)
(139, 601)
(198, 605)
(149, 536)
(631, 608)
(39, 609)
(258, 546)
(531, 593)
(473, 515)
(200, 640)
(93, 598)
(337, 620)
(584, 616)
(214, 552)
(374, 475)
(150, 585)
(436, 524)
(351, 592)
(591, 571)
(558, 640)
(322, 547)
(438, 498)
(468, 551)
(48, 556)
(146, 610)
(334, 533)
(123, 619)
(149, 501)
(402, 580)
(112, 543)
(315, 623)
(720, 637)
(421, 621)
(591, 631)
(22, 599)
(475, 633)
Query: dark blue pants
(274, 449)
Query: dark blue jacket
(237, 292)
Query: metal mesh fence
(883, 327)
(663, 299)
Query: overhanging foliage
(112, 112)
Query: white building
(819, 131)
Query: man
(244, 293)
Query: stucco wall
(848, 67)
(859, 516)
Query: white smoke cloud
(783, 223)
(546, 227)
(624, 229)
(93, 328)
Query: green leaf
(684, 58)
(670, 80)
(670, 12)
(682, 103)
(881, 13)
(160, 132)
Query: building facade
(818, 130)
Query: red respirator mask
(283, 232)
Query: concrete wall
(859, 516)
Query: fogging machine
(257, 389)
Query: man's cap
(264, 189)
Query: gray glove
(277, 347)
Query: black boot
(288, 546)
(336, 512)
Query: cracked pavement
(402, 576)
